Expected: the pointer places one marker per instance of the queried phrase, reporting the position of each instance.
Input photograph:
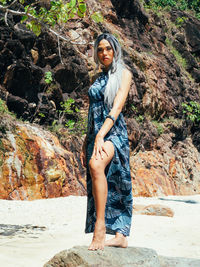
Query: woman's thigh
(107, 154)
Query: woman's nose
(104, 52)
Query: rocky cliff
(161, 49)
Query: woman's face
(105, 53)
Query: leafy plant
(159, 127)
(48, 77)
(182, 61)
(70, 124)
(192, 111)
(180, 21)
(3, 107)
(70, 116)
(139, 118)
(38, 17)
(156, 5)
(41, 115)
(68, 106)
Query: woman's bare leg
(99, 190)
(118, 241)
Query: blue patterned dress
(118, 210)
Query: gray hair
(115, 70)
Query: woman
(105, 152)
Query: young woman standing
(105, 152)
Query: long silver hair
(115, 70)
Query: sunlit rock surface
(165, 156)
(34, 165)
(173, 172)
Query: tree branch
(45, 26)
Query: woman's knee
(95, 166)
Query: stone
(35, 165)
(17, 104)
(80, 256)
(109, 257)
(153, 209)
(178, 262)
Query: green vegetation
(180, 21)
(75, 123)
(48, 77)
(3, 107)
(183, 5)
(181, 61)
(37, 17)
(159, 126)
(139, 118)
(192, 111)
(6, 118)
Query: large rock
(109, 257)
(178, 262)
(34, 165)
(117, 257)
(167, 170)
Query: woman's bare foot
(98, 241)
(118, 241)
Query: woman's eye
(109, 48)
(99, 50)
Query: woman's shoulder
(126, 73)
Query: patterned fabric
(118, 210)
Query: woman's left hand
(99, 150)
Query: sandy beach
(33, 232)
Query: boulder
(178, 262)
(109, 257)
(80, 256)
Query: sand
(32, 232)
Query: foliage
(7, 121)
(71, 117)
(156, 5)
(178, 56)
(37, 16)
(139, 118)
(68, 106)
(180, 21)
(48, 77)
(4, 108)
(159, 127)
(192, 111)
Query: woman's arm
(118, 104)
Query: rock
(174, 171)
(117, 257)
(109, 257)
(163, 159)
(17, 104)
(154, 209)
(34, 165)
(178, 262)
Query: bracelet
(110, 117)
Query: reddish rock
(35, 166)
(173, 171)
(154, 209)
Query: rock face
(116, 257)
(163, 57)
(34, 165)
